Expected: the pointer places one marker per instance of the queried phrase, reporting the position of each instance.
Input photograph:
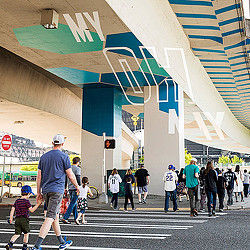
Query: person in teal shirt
(191, 173)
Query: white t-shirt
(83, 192)
(114, 181)
(170, 179)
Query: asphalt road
(144, 230)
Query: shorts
(22, 225)
(53, 202)
(82, 204)
(143, 189)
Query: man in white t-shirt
(170, 179)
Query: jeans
(230, 196)
(167, 195)
(193, 195)
(210, 193)
(130, 197)
(221, 196)
(203, 199)
(246, 187)
(114, 200)
(72, 206)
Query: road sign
(110, 144)
(6, 142)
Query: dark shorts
(53, 202)
(22, 225)
(143, 189)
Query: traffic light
(109, 144)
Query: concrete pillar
(101, 112)
(162, 148)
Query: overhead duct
(49, 19)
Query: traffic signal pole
(103, 198)
(1, 200)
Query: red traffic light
(109, 144)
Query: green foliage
(236, 160)
(224, 160)
(32, 167)
(141, 160)
(188, 157)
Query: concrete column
(163, 147)
(101, 112)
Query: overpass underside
(179, 65)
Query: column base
(103, 198)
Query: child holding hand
(82, 200)
(22, 207)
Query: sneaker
(125, 210)
(116, 208)
(202, 210)
(144, 201)
(195, 212)
(210, 215)
(111, 204)
(66, 244)
(140, 202)
(65, 221)
(25, 248)
(192, 215)
(221, 210)
(8, 246)
(213, 213)
(133, 209)
(33, 248)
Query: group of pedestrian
(205, 184)
(141, 179)
(53, 168)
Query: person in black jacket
(211, 187)
(128, 194)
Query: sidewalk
(154, 203)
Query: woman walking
(181, 189)
(238, 188)
(114, 187)
(211, 187)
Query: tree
(188, 157)
(33, 167)
(236, 160)
(224, 160)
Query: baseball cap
(229, 167)
(171, 167)
(58, 139)
(194, 159)
(27, 189)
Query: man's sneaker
(111, 204)
(221, 210)
(125, 210)
(33, 248)
(144, 201)
(66, 221)
(140, 202)
(133, 209)
(66, 244)
(202, 210)
(8, 246)
(210, 215)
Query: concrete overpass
(121, 53)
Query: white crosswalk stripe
(132, 225)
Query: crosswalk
(105, 225)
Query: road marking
(74, 247)
(195, 220)
(98, 234)
(136, 226)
